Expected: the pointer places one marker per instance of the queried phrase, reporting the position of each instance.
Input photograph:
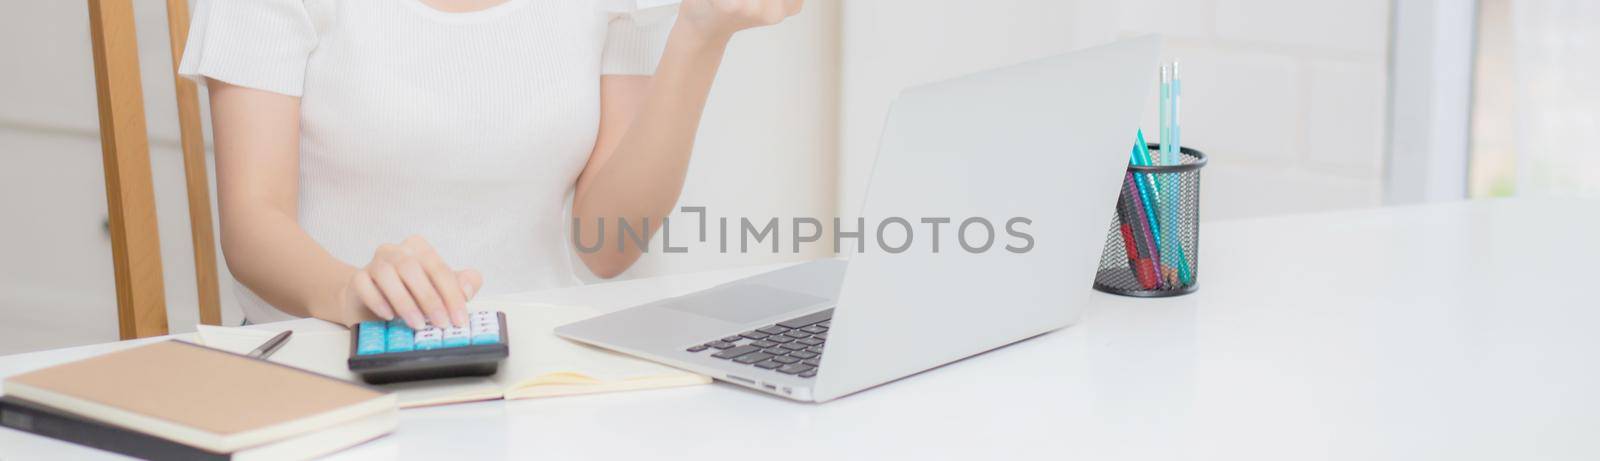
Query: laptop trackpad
(742, 303)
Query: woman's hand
(412, 281)
(717, 20)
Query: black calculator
(387, 352)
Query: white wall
(56, 285)
(1287, 96)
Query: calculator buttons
(370, 338)
(485, 328)
(379, 337)
(371, 330)
(400, 344)
(456, 337)
(429, 338)
(397, 325)
(400, 336)
(387, 352)
(369, 347)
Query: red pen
(1136, 242)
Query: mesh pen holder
(1157, 223)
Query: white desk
(1455, 331)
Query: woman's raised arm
(647, 127)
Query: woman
(386, 157)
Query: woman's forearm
(644, 173)
(257, 136)
(269, 252)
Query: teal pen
(1174, 186)
(1141, 157)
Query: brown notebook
(202, 397)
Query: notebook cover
(194, 388)
(35, 419)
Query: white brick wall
(1357, 27)
(1287, 96)
(1190, 19)
(1345, 123)
(1249, 118)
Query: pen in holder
(1153, 247)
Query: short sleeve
(636, 36)
(261, 44)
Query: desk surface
(1452, 331)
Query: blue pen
(1166, 184)
(1177, 95)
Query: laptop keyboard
(791, 347)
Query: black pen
(272, 345)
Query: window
(1536, 103)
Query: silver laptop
(1045, 141)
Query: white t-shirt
(468, 129)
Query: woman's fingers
(394, 290)
(777, 10)
(368, 293)
(412, 282)
(443, 281)
(729, 16)
(773, 12)
(421, 287)
(449, 287)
